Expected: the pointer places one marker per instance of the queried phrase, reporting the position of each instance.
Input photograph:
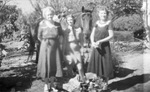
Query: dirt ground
(134, 75)
(17, 76)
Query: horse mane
(78, 21)
(63, 23)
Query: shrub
(123, 36)
(128, 23)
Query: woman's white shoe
(46, 88)
(54, 90)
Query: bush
(128, 23)
(123, 36)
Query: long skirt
(50, 58)
(100, 61)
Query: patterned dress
(100, 61)
(50, 56)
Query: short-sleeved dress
(50, 57)
(100, 61)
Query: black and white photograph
(74, 45)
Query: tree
(130, 23)
(3, 3)
(125, 7)
(8, 16)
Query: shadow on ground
(21, 78)
(129, 82)
(122, 72)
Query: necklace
(102, 22)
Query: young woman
(100, 61)
(50, 57)
(72, 45)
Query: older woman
(49, 62)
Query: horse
(83, 20)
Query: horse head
(84, 21)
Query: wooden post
(146, 18)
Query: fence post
(146, 18)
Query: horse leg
(89, 41)
(37, 52)
(84, 40)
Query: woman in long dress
(72, 46)
(100, 61)
(50, 57)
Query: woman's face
(102, 14)
(70, 20)
(48, 15)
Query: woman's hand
(94, 44)
(98, 42)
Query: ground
(17, 76)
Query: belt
(47, 40)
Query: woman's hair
(46, 9)
(101, 8)
(105, 8)
(70, 16)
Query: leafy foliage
(128, 23)
(33, 18)
(13, 23)
(125, 7)
(8, 13)
(123, 36)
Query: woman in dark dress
(49, 62)
(100, 61)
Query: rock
(90, 76)
(13, 90)
(72, 84)
(4, 52)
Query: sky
(23, 4)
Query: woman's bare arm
(110, 36)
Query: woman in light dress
(50, 56)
